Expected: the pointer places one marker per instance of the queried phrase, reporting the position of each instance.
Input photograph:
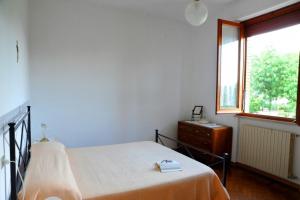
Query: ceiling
(166, 8)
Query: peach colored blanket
(128, 172)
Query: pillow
(49, 174)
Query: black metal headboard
(22, 124)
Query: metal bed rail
(224, 160)
(24, 123)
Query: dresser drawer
(185, 128)
(196, 131)
(196, 141)
(202, 133)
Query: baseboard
(270, 176)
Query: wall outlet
(3, 162)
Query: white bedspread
(128, 172)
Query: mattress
(128, 172)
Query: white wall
(201, 75)
(13, 75)
(104, 75)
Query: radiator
(266, 149)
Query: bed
(112, 172)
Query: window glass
(230, 67)
(272, 72)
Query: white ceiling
(166, 8)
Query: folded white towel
(169, 166)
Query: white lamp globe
(196, 13)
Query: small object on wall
(17, 49)
(197, 113)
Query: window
(272, 72)
(258, 65)
(229, 71)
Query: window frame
(240, 81)
(283, 17)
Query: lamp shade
(196, 13)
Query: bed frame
(224, 161)
(21, 123)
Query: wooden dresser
(217, 140)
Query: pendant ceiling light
(196, 13)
